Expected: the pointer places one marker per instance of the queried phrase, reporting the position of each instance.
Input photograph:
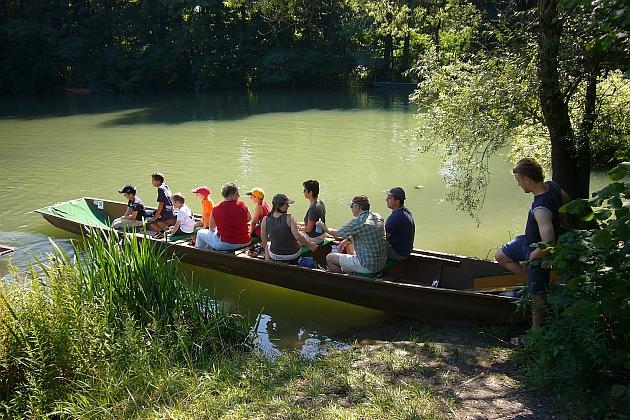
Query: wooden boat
(467, 288)
(5, 249)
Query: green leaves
(619, 172)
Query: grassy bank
(118, 334)
(106, 333)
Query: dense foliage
(582, 352)
(158, 45)
(566, 107)
(82, 334)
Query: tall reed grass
(96, 330)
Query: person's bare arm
(332, 232)
(547, 232)
(264, 238)
(213, 225)
(298, 236)
(158, 212)
(254, 219)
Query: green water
(62, 147)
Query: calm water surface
(61, 147)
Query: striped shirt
(368, 236)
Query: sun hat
(256, 192)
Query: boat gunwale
(283, 266)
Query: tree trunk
(388, 55)
(588, 121)
(404, 62)
(565, 157)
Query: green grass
(118, 334)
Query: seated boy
(134, 214)
(163, 216)
(185, 223)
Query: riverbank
(117, 333)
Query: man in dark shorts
(163, 216)
(543, 223)
(400, 227)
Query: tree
(558, 53)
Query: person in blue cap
(400, 227)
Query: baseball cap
(127, 189)
(397, 192)
(279, 199)
(202, 190)
(256, 192)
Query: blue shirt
(401, 230)
(549, 201)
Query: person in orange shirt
(203, 194)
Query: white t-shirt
(186, 219)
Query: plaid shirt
(368, 236)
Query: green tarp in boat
(78, 211)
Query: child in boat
(134, 215)
(163, 216)
(260, 212)
(203, 194)
(185, 222)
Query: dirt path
(469, 366)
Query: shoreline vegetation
(116, 332)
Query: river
(54, 148)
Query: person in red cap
(203, 194)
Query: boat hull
(389, 294)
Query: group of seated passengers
(367, 241)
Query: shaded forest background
(176, 45)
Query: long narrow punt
(408, 289)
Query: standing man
(228, 223)
(543, 222)
(400, 227)
(316, 211)
(367, 230)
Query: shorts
(518, 250)
(122, 223)
(208, 239)
(350, 264)
(179, 232)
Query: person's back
(231, 218)
(551, 200)
(283, 241)
(368, 238)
